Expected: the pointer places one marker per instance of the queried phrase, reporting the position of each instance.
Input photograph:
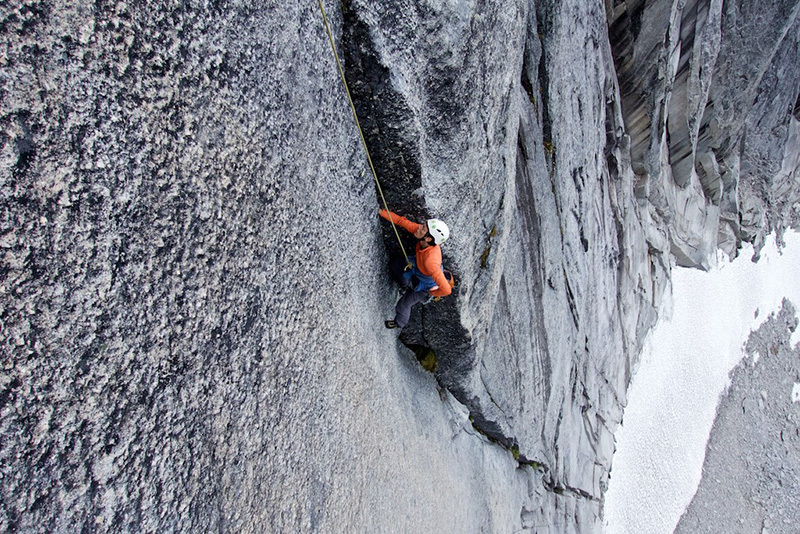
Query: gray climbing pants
(410, 297)
(403, 309)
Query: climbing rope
(360, 132)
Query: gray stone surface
(193, 292)
(701, 93)
(560, 273)
(751, 474)
(194, 280)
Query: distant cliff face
(711, 89)
(194, 277)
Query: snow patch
(795, 339)
(685, 366)
(795, 393)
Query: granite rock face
(711, 88)
(751, 474)
(194, 277)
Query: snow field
(673, 396)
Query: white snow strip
(795, 339)
(795, 393)
(673, 397)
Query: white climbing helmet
(438, 230)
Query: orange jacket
(429, 259)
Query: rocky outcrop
(700, 92)
(750, 476)
(194, 277)
(481, 118)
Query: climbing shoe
(390, 324)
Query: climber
(426, 279)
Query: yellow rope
(360, 132)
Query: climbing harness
(360, 132)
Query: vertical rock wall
(193, 290)
(193, 274)
(170, 264)
(559, 276)
(709, 86)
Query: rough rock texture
(193, 276)
(187, 345)
(751, 474)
